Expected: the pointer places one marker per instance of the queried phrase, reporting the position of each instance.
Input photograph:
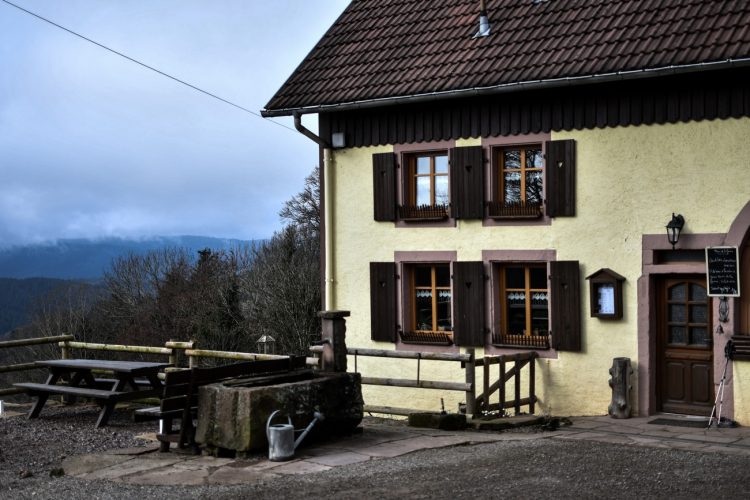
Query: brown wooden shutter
(565, 305)
(560, 172)
(383, 301)
(384, 186)
(468, 304)
(467, 182)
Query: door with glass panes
(685, 351)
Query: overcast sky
(92, 145)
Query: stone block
(444, 421)
(233, 417)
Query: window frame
(412, 160)
(502, 335)
(434, 290)
(491, 145)
(523, 169)
(498, 208)
(401, 152)
(409, 209)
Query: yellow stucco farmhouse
(570, 178)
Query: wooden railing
(475, 404)
(179, 354)
(483, 403)
(195, 355)
(467, 361)
(25, 366)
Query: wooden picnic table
(124, 386)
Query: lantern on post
(266, 345)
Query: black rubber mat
(681, 423)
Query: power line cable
(146, 65)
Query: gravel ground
(31, 453)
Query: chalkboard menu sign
(723, 272)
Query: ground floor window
(529, 304)
(431, 304)
(524, 305)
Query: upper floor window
(427, 186)
(522, 183)
(519, 182)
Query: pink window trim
(493, 311)
(423, 147)
(490, 144)
(403, 260)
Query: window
(426, 193)
(431, 304)
(519, 186)
(445, 303)
(524, 297)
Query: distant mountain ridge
(82, 259)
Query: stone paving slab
(714, 439)
(236, 475)
(639, 431)
(300, 467)
(339, 458)
(138, 466)
(84, 464)
(147, 466)
(167, 476)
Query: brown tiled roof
(385, 49)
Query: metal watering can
(281, 443)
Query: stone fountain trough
(232, 415)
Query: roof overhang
(512, 87)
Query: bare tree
(303, 209)
(281, 291)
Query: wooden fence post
(517, 368)
(502, 384)
(532, 383)
(471, 395)
(64, 350)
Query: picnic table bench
(179, 397)
(127, 385)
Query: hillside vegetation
(223, 299)
(19, 297)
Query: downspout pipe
(329, 303)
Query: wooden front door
(685, 352)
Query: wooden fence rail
(474, 404)
(466, 360)
(26, 366)
(180, 354)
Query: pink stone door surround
(737, 236)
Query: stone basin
(232, 416)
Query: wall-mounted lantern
(674, 227)
(605, 292)
(266, 345)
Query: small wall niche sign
(605, 292)
(723, 272)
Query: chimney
(484, 22)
